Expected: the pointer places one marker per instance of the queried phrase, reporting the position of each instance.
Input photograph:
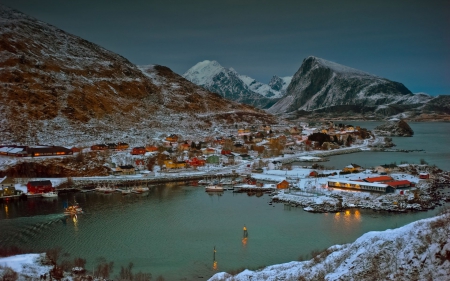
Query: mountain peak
(313, 61)
(203, 72)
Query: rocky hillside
(57, 88)
(394, 128)
(324, 85)
(233, 86)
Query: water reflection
(349, 217)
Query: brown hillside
(58, 88)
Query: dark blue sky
(404, 41)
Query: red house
(39, 186)
(138, 150)
(424, 176)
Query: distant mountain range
(57, 88)
(320, 89)
(236, 87)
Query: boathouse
(362, 186)
(39, 186)
(424, 176)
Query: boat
(73, 209)
(214, 188)
(139, 189)
(51, 194)
(33, 195)
(125, 191)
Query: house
(245, 156)
(75, 149)
(381, 179)
(283, 185)
(126, 170)
(44, 186)
(99, 147)
(399, 184)
(140, 150)
(225, 152)
(357, 185)
(196, 162)
(352, 168)
(140, 164)
(184, 147)
(313, 174)
(48, 151)
(151, 148)
(213, 159)
(111, 145)
(122, 145)
(424, 176)
(172, 138)
(7, 188)
(175, 164)
(209, 151)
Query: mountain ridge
(234, 86)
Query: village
(252, 160)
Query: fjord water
(172, 230)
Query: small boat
(32, 195)
(51, 194)
(73, 209)
(125, 191)
(214, 188)
(139, 189)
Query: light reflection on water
(171, 230)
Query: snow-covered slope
(322, 84)
(231, 85)
(417, 251)
(57, 88)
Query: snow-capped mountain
(233, 86)
(57, 88)
(321, 84)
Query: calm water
(432, 137)
(171, 231)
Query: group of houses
(9, 191)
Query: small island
(394, 128)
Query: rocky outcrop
(394, 128)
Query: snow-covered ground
(28, 266)
(417, 251)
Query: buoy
(245, 232)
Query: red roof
(397, 183)
(379, 179)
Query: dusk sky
(404, 41)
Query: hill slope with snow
(233, 86)
(57, 88)
(321, 84)
(417, 251)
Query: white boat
(214, 188)
(139, 189)
(51, 194)
(125, 191)
(32, 195)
